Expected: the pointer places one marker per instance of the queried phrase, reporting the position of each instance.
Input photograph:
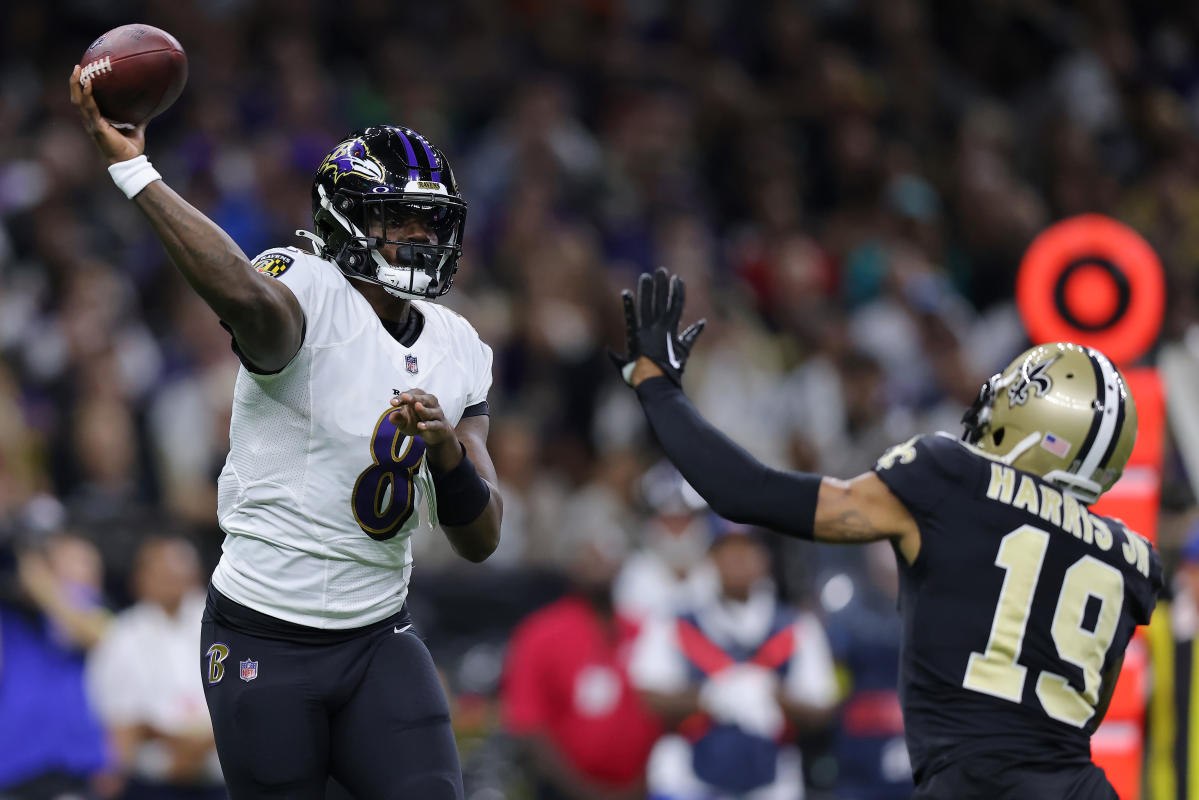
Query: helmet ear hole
(997, 437)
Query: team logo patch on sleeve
(273, 264)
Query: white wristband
(133, 175)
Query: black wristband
(461, 494)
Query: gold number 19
(995, 671)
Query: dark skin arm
(85, 626)
(189, 752)
(265, 316)
(418, 413)
(806, 718)
(853, 511)
(672, 707)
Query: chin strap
(1021, 448)
(318, 244)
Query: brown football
(136, 71)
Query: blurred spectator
(668, 572)
(533, 497)
(145, 685)
(566, 693)
(737, 676)
(51, 746)
(872, 758)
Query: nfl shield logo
(410, 364)
(249, 670)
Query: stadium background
(847, 185)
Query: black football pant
(369, 711)
(986, 780)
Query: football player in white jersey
(360, 418)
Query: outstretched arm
(264, 315)
(736, 485)
(739, 487)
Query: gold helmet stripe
(1108, 418)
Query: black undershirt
(408, 331)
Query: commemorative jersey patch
(273, 264)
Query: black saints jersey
(1018, 604)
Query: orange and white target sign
(1094, 281)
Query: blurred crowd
(846, 185)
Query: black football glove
(652, 325)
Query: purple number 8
(396, 460)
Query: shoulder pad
(939, 451)
(923, 469)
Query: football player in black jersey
(1016, 600)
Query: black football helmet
(370, 185)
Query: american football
(138, 72)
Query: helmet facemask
(369, 222)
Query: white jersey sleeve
(314, 281)
(289, 266)
(482, 371)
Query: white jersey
(320, 494)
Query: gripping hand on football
(116, 145)
(653, 344)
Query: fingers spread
(674, 304)
(645, 299)
(661, 291)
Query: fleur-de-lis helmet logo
(1035, 378)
